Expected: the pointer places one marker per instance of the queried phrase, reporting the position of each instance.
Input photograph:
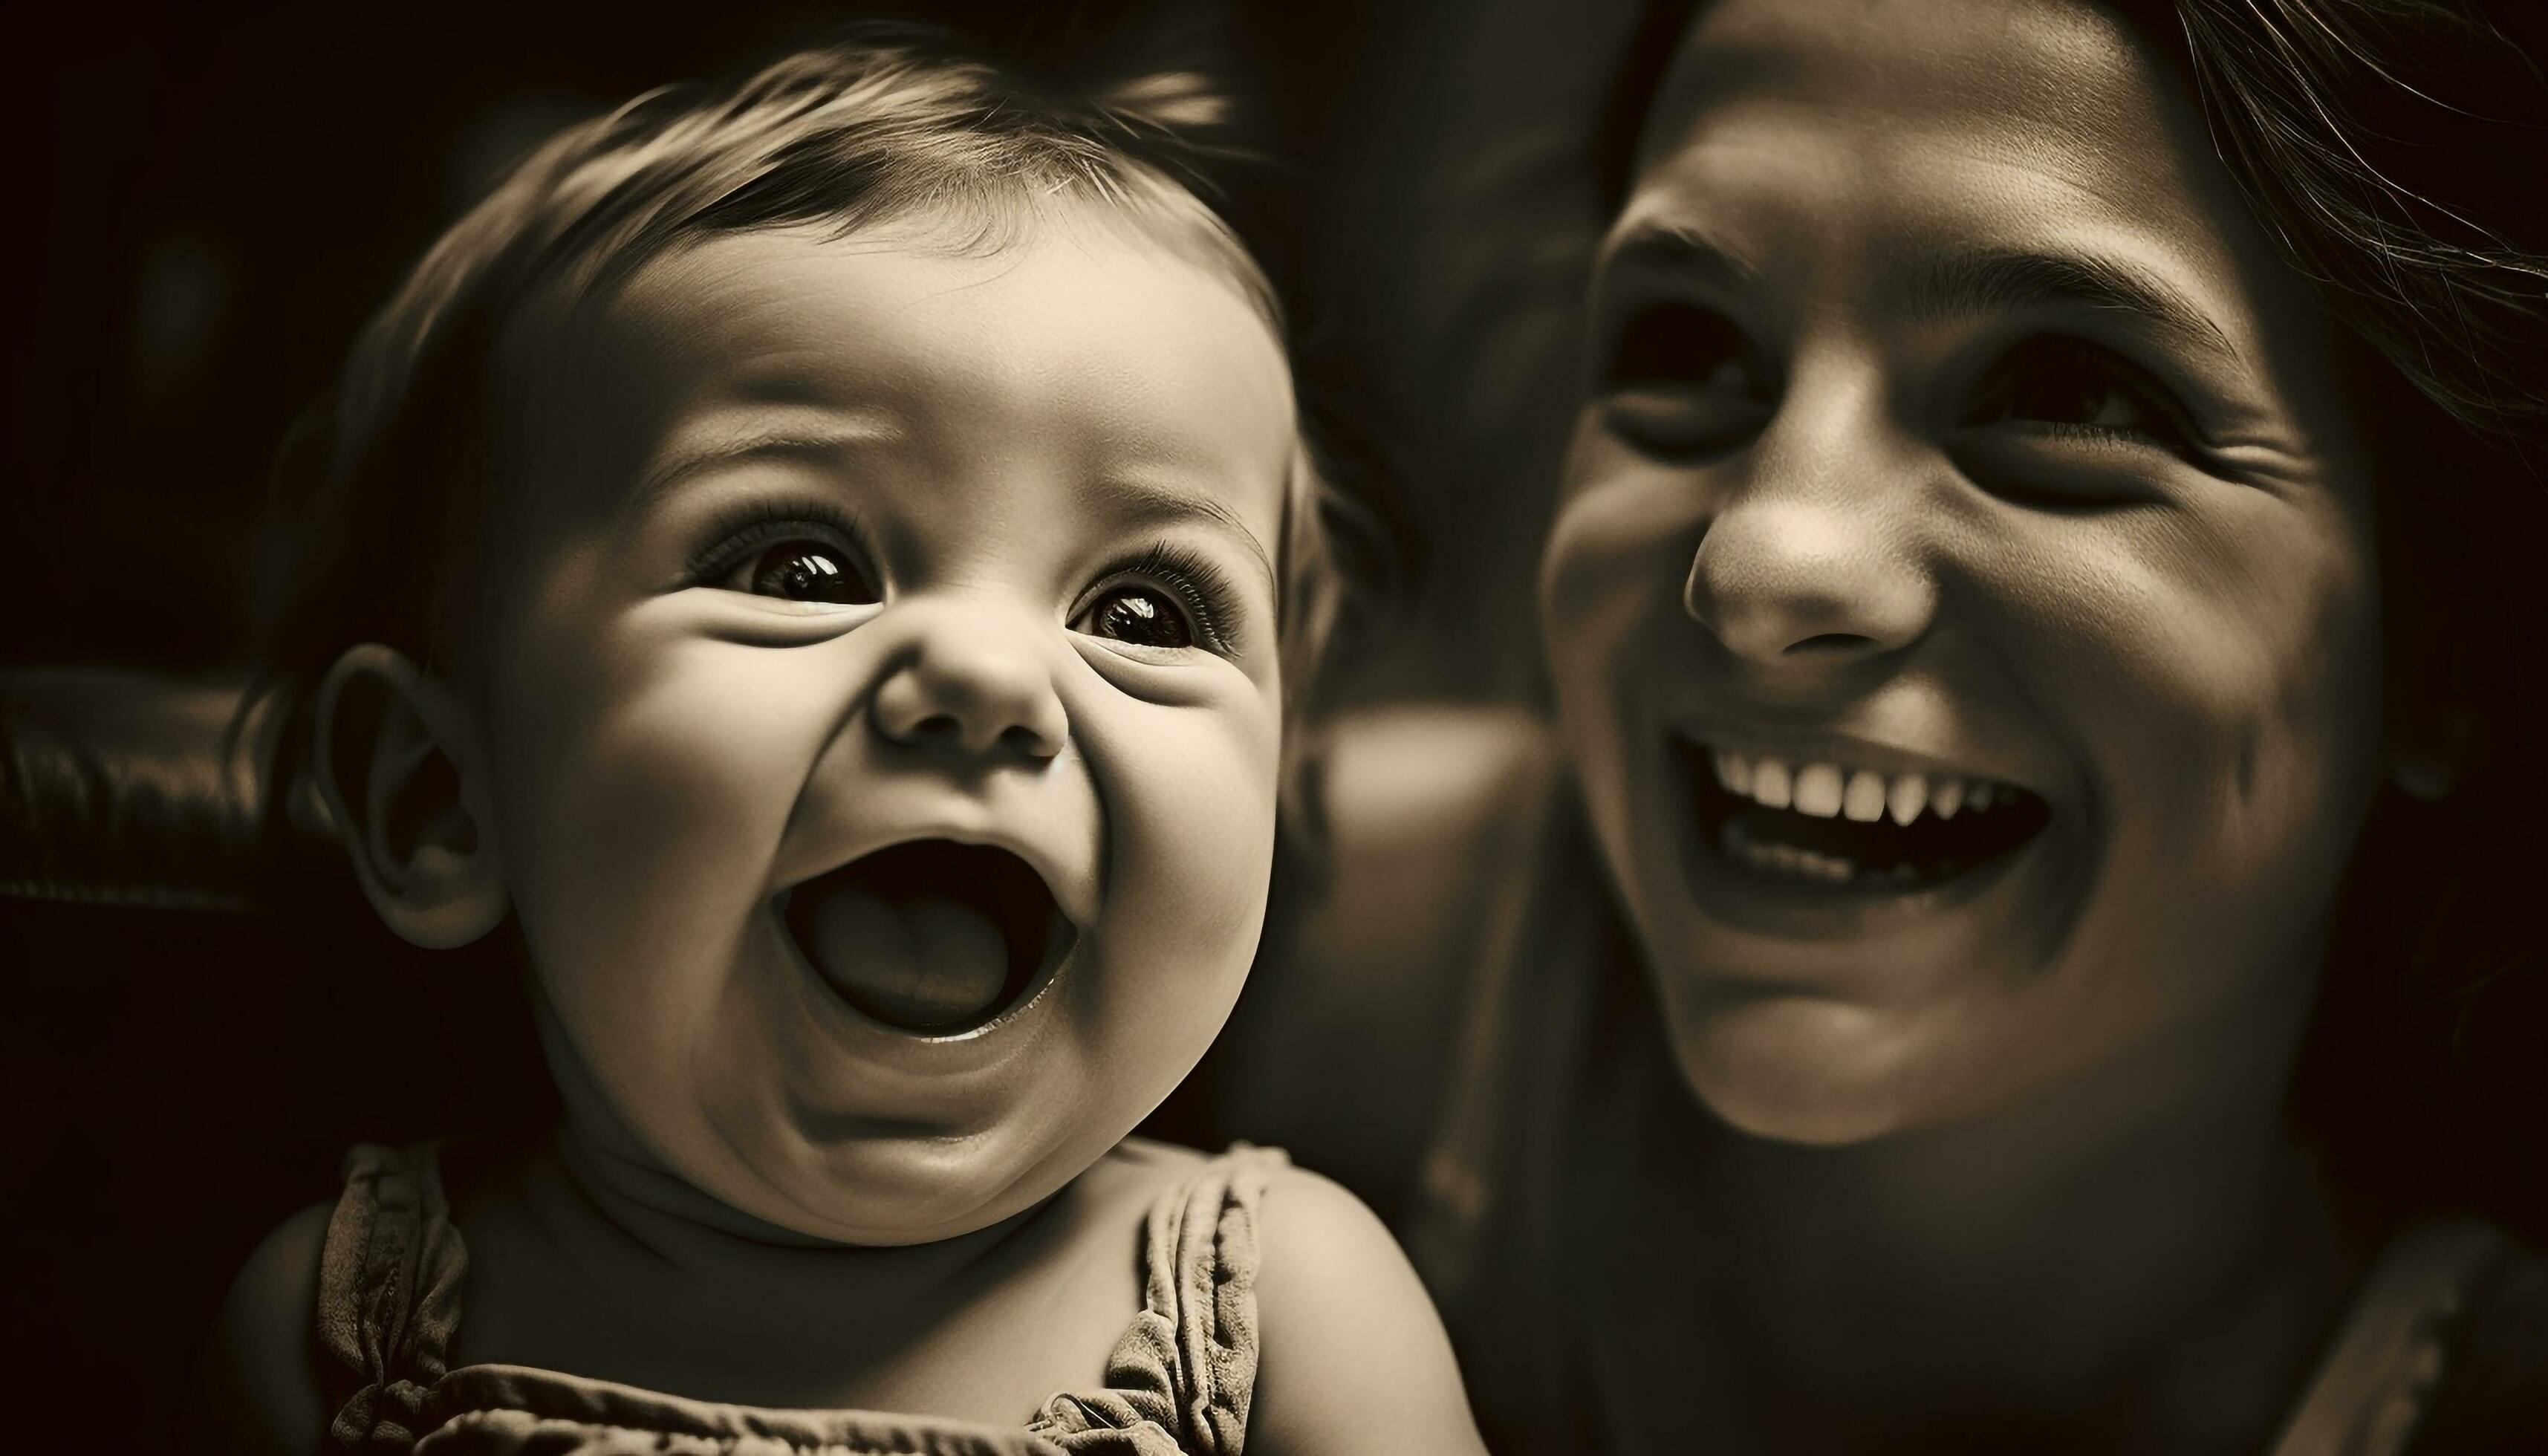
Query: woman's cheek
(1612, 580)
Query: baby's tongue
(923, 962)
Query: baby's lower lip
(1839, 831)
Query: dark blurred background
(219, 198)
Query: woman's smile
(1850, 825)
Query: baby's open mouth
(1845, 826)
(931, 935)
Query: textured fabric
(389, 1296)
(1179, 1381)
(1188, 1363)
(2495, 1394)
(2379, 1373)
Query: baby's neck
(592, 1189)
(587, 1260)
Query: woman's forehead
(1898, 141)
(2058, 87)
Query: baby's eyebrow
(814, 446)
(1131, 501)
(1962, 281)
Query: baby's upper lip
(1073, 886)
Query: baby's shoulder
(1351, 1355)
(1348, 1354)
(1306, 1226)
(257, 1384)
(1141, 1179)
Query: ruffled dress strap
(2392, 1350)
(1181, 1378)
(389, 1297)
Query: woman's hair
(2394, 151)
(394, 479)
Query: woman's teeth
(1797, 860)
(1839, 824)
(1828, 790)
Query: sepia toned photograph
(1206, 728)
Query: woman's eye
(1142, 616)
(1680, 344)
(2076, 385)
(810, 571)
(1680, 377)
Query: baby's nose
(973, 679)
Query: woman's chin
(1809, 1071)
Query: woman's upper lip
(1800, 746)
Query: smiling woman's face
(1961, 603)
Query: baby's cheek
(1191, 798)
(647, 778)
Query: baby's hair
(398, 473)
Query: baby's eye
(1143, 616)
(807, 570)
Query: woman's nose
(1812, 557)
(974, 679)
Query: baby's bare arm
(1352, 1356)
(256, 1387)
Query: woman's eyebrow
(1960, 282)
(1679, 253)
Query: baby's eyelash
(1207, 589)
(739, 529)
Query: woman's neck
(2141, 1250)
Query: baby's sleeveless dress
(1178, 1382)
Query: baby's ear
(395, 762)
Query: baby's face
(883, 711)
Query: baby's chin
(856, 1181)
(753, 1164)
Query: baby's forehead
(1083, 343)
